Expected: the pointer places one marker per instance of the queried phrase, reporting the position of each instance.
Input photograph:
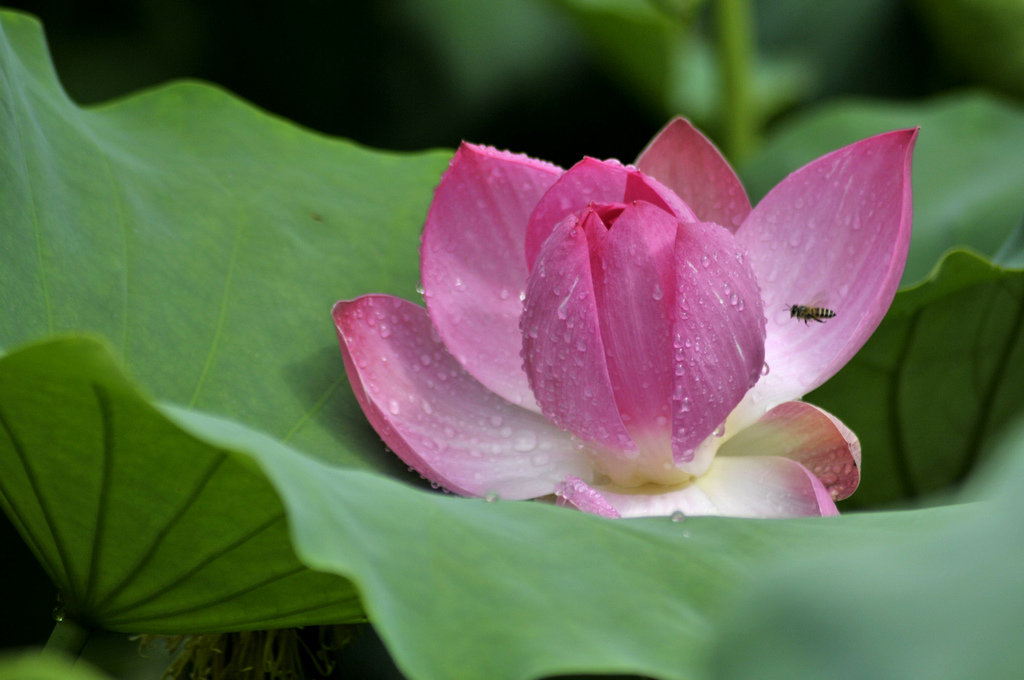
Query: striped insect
(807, 313)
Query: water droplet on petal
(419, 288)
(765, 369)
(503, 294)
(658, 292)
(394, 407)
(492, 497)
(678, 516)
(525, 442)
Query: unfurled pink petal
(808, 435)
(834, 234)
(594, 181)
(685, 161)
(563, 352)
(765, 487)
(436, 416)
(576, 493)
(634, 288)
(474, 271)
(718, 333)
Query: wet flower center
(653, 464)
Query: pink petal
(634, 292)
(686, 162)
(718, 333)
(808, 435)
(473, 267)
(576, 493)
(764, 486)
(563, 352)
(833, 234)
(436, 416)
(594, 181)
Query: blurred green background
(554, 78)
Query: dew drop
(419, 288)
(658, 292)
(503, 294)
(678, 516)
(393, 407)
(720, 430)
(705, 260)
(496, 420)
(492, 497)
(525, 442)
(765, 369)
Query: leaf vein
(236, 246)
(212, 557)
(314, 409)
(900, 455)
(31, 201)
(977, 435)
(140, 566)
(51, 525)
(209, 604)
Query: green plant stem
(67, 638)
(735, 29)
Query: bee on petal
(807, 313)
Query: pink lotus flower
(605, 333)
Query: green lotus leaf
(142, 527)
(205, 239)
